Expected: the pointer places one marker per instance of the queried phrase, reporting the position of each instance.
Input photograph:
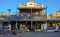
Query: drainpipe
(46, 20)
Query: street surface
(34, 34)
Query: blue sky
(52, 5)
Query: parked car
(57, 31)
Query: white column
(42, 26)
(56, 27)
(21, 27)
(45, 27)
(10, 27)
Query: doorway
(13, 25)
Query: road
(34, 34)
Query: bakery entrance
(13, 25)
(36, 26)
(24, 26)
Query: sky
(52, 5)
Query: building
(53, 21)
(31, 17)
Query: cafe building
(30, 18)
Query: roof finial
(30, 0)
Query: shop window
(48, 24)
(54, 24)
(51, 26)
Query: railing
(25, 16)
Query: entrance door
(25, 26)
(13, 25)
(36, 26)
(28, 24)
